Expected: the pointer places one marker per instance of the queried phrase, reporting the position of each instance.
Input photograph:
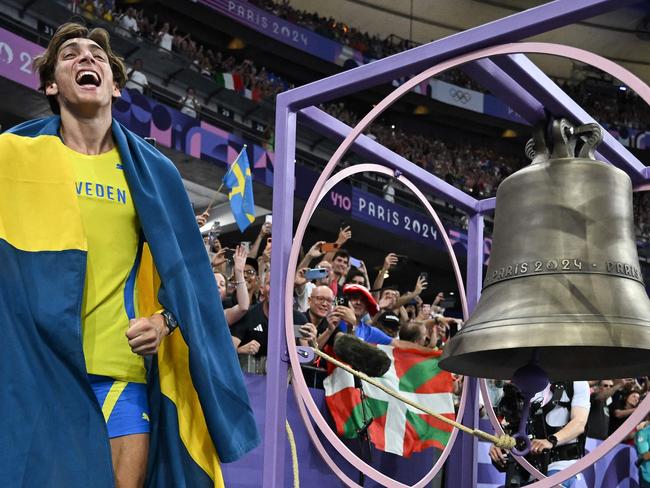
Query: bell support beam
(467, 446)
(521, 25)
(364, 146)
(284, 182)
(486, 205)
(559, 104)
(501, 85)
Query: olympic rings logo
(460, 95)
(6, 53)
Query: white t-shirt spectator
(129, 23)
(189, 105)
(165, 41)
(137, 80)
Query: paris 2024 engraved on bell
(563, 287)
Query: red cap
(373, 308)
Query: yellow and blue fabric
(239, 182)
(112, 230)
(124, 405)
(54, 432)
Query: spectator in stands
(250, 334)
(340, 268)
(389, 191)
(189, 103)
(136, 79)
(415, 332)
(147, 26)
(439, 329)
(356, 277)
(234, 312)
(601, 398)
(390, 261)
(128, 24)
(353, 316)
(252, 280)
(622, 409)
(321, 303)
(164, 39)
(389, 323)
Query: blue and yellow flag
(239, 181)
(200, 412)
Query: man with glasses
(320, 313)
(251, 279)
(304, 288)
(601, 398)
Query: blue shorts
(125, 405)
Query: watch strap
(170, 320)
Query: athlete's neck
(86, 135)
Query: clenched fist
(146, 333)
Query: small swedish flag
(239, 182)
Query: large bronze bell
(563, 287)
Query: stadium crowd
(473, 169)
(332, 291)
(624, 109)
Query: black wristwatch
(553, 440)
(170, 321)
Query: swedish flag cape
(53, 432)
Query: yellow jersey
(113, 233)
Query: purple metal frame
(526, 92)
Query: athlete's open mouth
(86, 77)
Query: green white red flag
(396, 427)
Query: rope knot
(505, 442)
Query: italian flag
(230, 81)
(396, 427)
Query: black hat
(389, 320)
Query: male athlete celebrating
(102, 261)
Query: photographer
(556, 424)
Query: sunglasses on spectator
(250, 272)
